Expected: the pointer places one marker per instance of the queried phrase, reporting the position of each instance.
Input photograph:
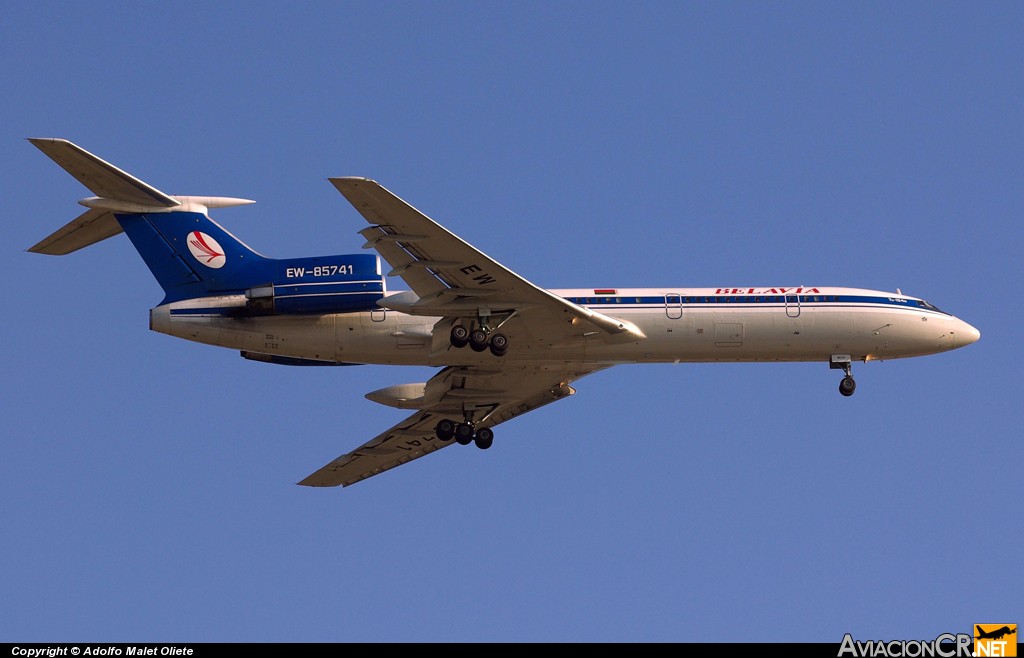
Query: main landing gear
(480, 339)
(843, 361)
(464, 433)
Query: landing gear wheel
(847, 386)
(484, 438)
(478, 340)
(460, 336)
(464, 434)
(499, 344)
(445, 429)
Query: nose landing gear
(843, 361)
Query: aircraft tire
(478, 340)
(464, 434)
(484, 438)
(499, 344)
(445, 429)
(460, 336)
(847, 386)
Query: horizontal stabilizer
(116, 192)
(86, 229)
(102, 178)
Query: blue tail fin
(192, 256)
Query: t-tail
(194, 258)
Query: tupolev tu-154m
(502, 345)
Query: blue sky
(149, 482)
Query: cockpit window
(930, 307)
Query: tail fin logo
(206, 250)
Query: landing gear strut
(847, 386)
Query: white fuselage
(681, 325)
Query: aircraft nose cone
(966, 334)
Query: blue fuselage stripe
(648, 304)
(672, 301)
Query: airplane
(502, 345)
(995, 634)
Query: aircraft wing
(450, 278)
(491, 395)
